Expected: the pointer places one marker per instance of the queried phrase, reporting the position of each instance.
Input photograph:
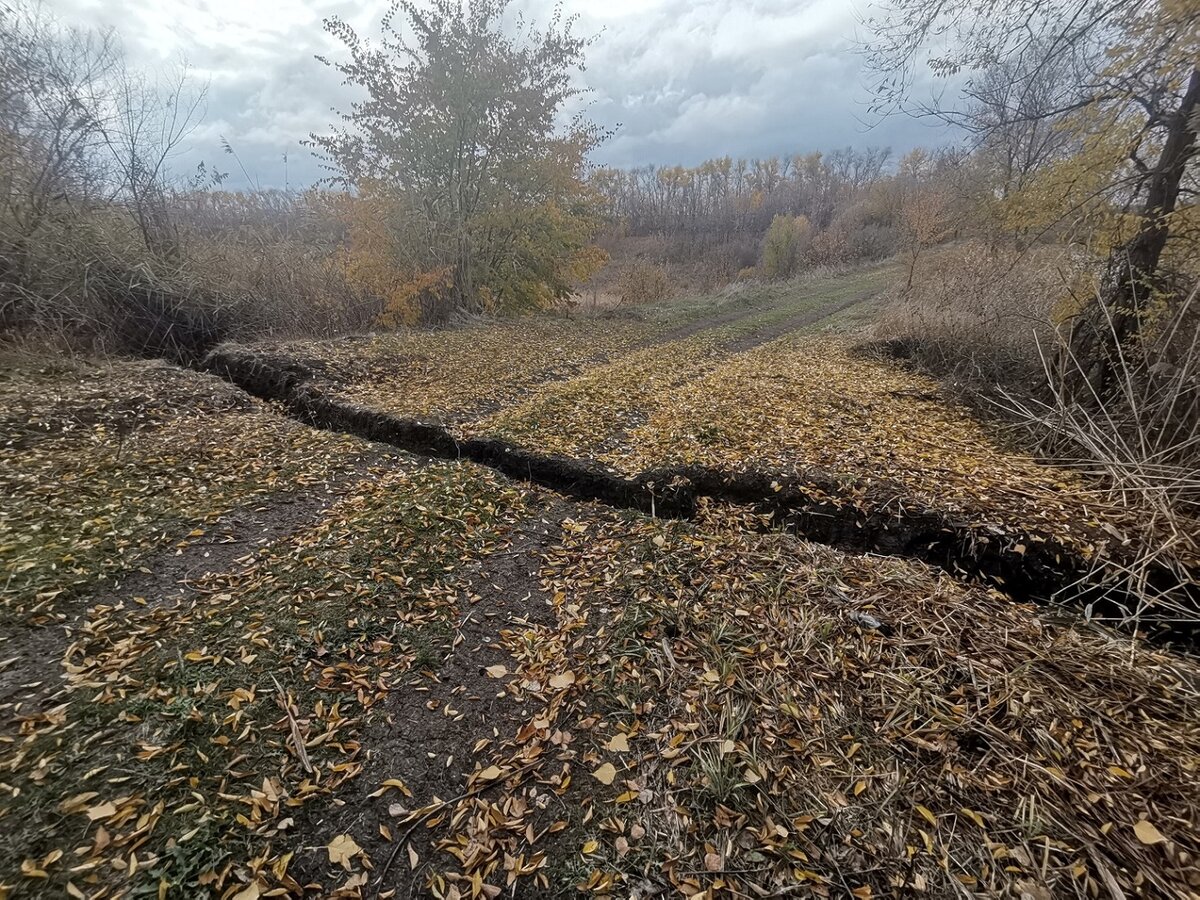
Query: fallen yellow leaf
(103, 811)
(342, 849)
(562, 680)
(605, 774)
(618, 743)
(1147, 833)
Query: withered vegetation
(448, 679)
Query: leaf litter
(670, 708)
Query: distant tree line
(725, 197)
(780, 213)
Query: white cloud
(687, 79)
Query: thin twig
(297, 738)
(438, 807)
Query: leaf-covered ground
(463, 374)
(438, 682)
(752, 714)
(106, 463)
(176, 754)
(805, 402)
(457, 374)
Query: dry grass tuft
(988, 321)
(1143, 445)
(974, 313)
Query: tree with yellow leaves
(475, 196)
(784, 246)
(1097, 104)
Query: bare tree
(1015, 111)
(146, 127)
(77, 126)
(52, 85)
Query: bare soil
(431, 725)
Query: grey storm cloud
(679, 80)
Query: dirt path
(620, 435)
(768, 333)
(689, 329)
(31, 677)
(483, 410)
(431, 726)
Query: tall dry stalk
(1143, 443)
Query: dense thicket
(715, 220)
(101, 244)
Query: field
(703, 598)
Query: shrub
(784, 246)
(830, 247)
(643, 283)
(978, 313)
(246, 265)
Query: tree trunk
(1112, 321)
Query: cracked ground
(243, 657)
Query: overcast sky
(685, 80)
